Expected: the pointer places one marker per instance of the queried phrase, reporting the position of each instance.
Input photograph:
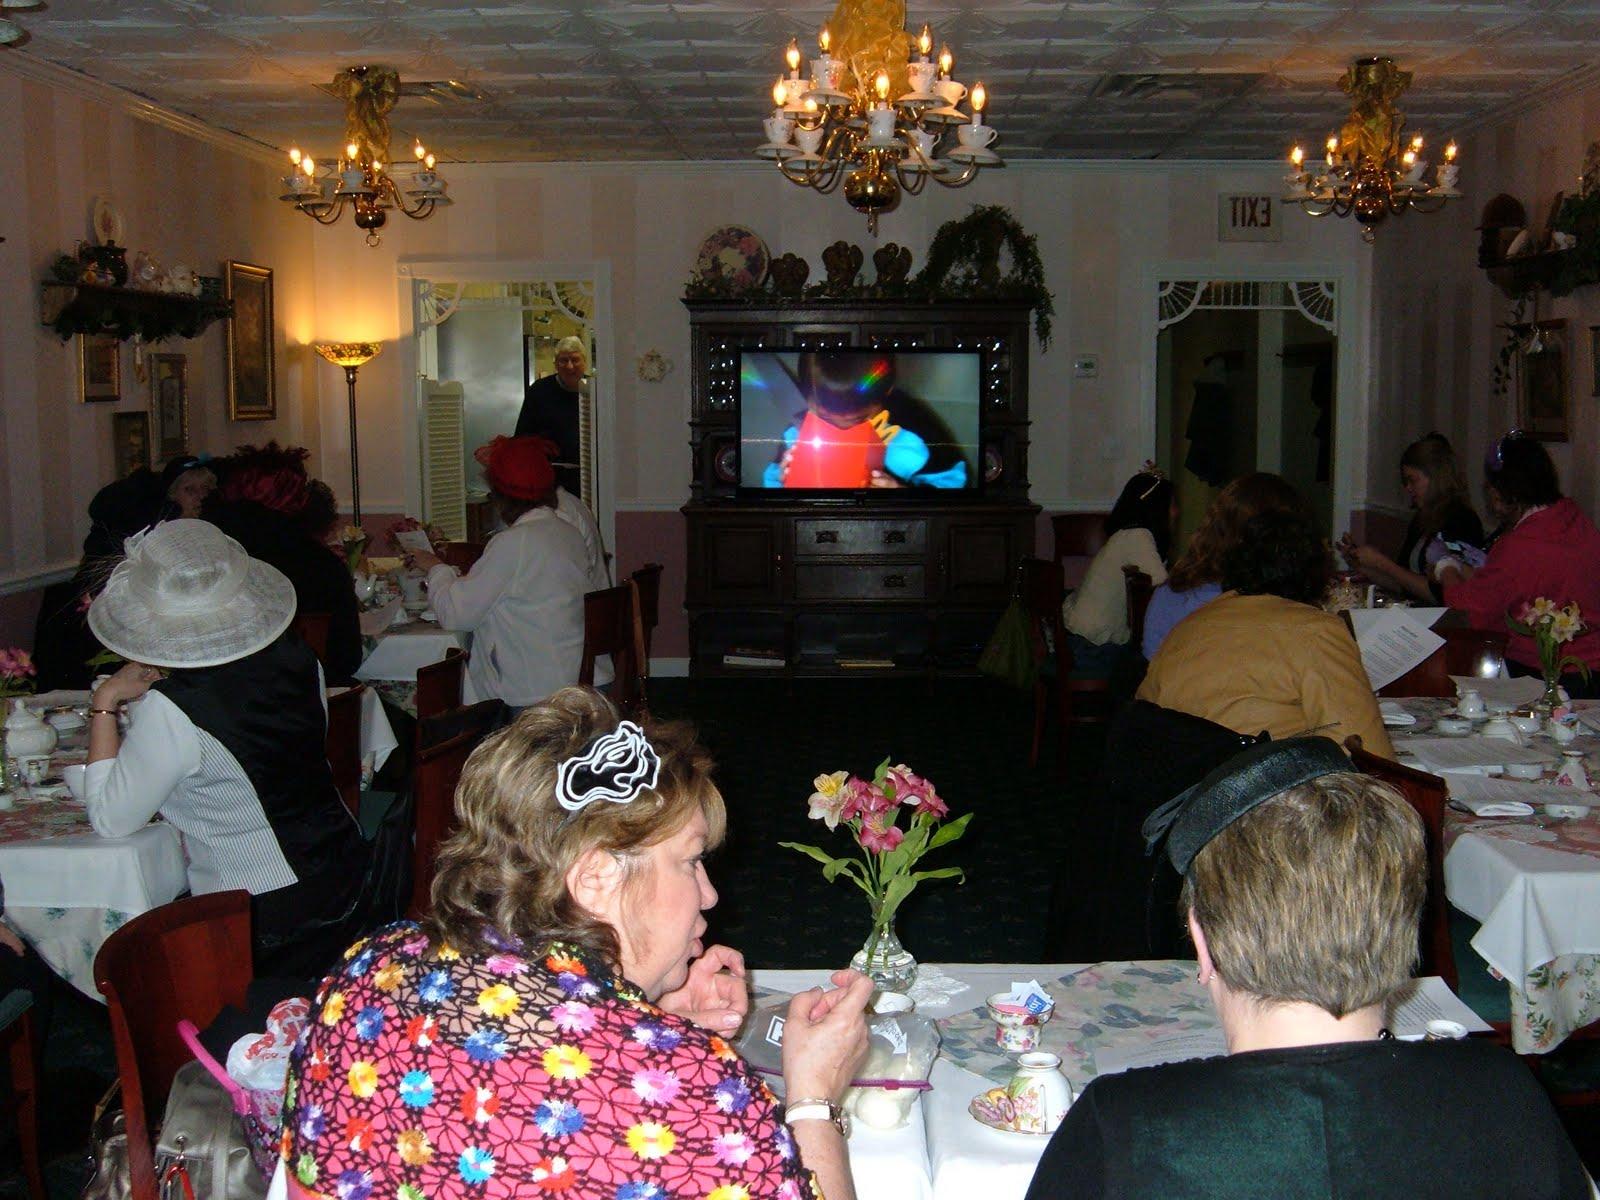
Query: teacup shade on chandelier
(362, 179)
(877, 114)
(1368, 170)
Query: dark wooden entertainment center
(896, 582)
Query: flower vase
(885, 961)
(1552, 698)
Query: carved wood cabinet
(883, 583)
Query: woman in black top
(1303, 888)
(1431, 481)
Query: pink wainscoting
(647, 537)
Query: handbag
(203, 1152)
(108, 1148)
(1009, 655)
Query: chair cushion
(13, 1004)
(1478, 989)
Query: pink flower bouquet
(16, 672)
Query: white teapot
(27, 734)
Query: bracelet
(104, 712)
(818, 1110)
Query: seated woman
(555, 1023)
(1303, 890)
(282, 516)
(1547, 548)
(523, 600)
(217, 743)
(1263, 656)
(1196, 577)
(1437, 492)
(1138, 534)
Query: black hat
(1251, 777)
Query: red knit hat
(519, 467)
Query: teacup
(411, 590)
(778, 130)
(1444, 1031)
(1471, 705)
(808, 139)
(1453, 726)
(827, 71)
(922, 141)
(1524, 770)
(974, 136)
(73, 776)
(954, 93)
(880, 124)
(1524, 722)
(1501, 729)
(1017, 1029)
(1560, 732)
(884, 1003)
(922, 75)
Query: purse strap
(236, 1093)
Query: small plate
(1568, 812)
(977, 154)
(989, 1108)
(428, 615)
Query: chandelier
(1365, 172)
(839, 126)
(362, 179)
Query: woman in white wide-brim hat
(229, 706)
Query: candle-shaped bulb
(946, 61)
(810, 106)
(880, 84)
(427, 161)
(1450, 153)
(294, 155)
(980, 97)
(308, 165)
(351, 150)
(925, 42)
(1409, 158)
(780, 93)
(419, 151)
(377, 166)
(1333, 145)
(1296, 157)
(824, 40)
(792, 55)
(1416, 143)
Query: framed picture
(99, 368)
(130, 442)
(251, 394)
(1542, 383)
(169, 404)
(1594, 360)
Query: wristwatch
(818, 1110)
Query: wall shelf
(122, 313)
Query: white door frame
(516, 270)
(1352, 399)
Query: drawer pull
(895, 537)
(894, 581)
(827, 536)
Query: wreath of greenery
(964, 264)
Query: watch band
(818, 1110)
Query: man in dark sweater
(550, 410)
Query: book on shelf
(754, 656)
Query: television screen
(850, 420)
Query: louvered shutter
(444, 469)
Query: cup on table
(73, 776)
(1017, 1029)
(411, 590)
(1525, 722)
(1444, 1031)
(1524, 770)
(1453, 726)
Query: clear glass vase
(885, 961)
(1552, 698)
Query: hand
(421, 560)
(131, 682)
(10, 940)
(1368, 559)
(882, 479)
(825, 1038)
(714, 996)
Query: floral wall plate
(734, 255)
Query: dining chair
(1078, 538)
(608, 628)
(646, 583)
(312, 629)
(439, 684)
(19, 1038)
(1139, 587)
(344, 744)
(1080, 701)
(187, 959)
(443, 744)
(461, 555)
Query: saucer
(428, 615)
(977, 154)
(949, 115)
(777, 150)
(1569, 812)
(993, 1108)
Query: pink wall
(647, 537)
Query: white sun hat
(188, 595)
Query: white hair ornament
(614, 767)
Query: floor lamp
(351, 356)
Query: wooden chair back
(187, 959)
(646, 583)
(344, 744)
(1140, 587)
(21, 1042)
(439, 684)
(1078, 538)
(608, 628)
(443, 744)
(1428, 795)
(460, 555)
(312, 629)
(1041, 587)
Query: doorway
(1246, 380)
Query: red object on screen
(826, 456)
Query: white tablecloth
(377, 734)
(401, 650)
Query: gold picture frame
(1543, 407)
(99, 369)
(252, 390)
(130, 442)
(169, 404)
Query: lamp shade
(348, 354)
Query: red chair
(19, 1039)
(609, 628)
(461, 555)
(646, 583)
(344, 744)
(439, 684)
(443, 744)
(1075, 701)
(187, 959)
(1078, 538)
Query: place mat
(35, 818)
(1107, 1005)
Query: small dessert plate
(994, 1109)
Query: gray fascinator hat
(1253, 776)
(188, 595)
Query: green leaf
(941, 873)
(899, 888)
(881, 771)
(816, 852)
(949, 831)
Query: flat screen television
(859, 422)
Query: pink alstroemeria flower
(880, 835)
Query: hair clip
(614, 767)
(1159, 476)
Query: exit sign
(1248, 219)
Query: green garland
(964, 264)
(1580, 266)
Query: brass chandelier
(838, 125)
(362, 179)
(1365, 173)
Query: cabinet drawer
(860, 581)
(823, 538)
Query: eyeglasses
(1495, 460)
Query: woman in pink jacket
(1547, 547)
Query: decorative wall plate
(107, 222)
(994, 463)
(653, 366)
(736, 256)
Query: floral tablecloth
(393, 656)
(1534, 884)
